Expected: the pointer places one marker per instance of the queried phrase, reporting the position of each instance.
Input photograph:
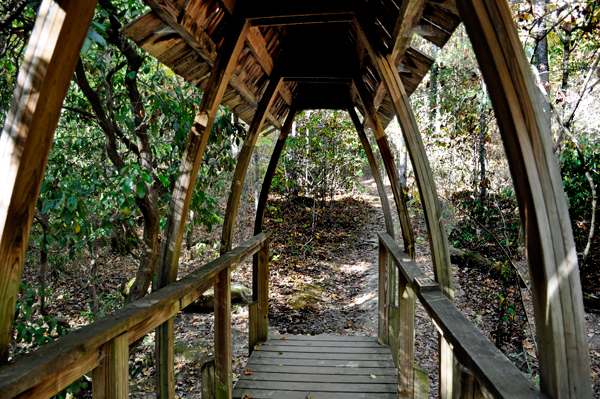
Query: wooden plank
(390, 167)
(324, 356)
(303, 19)
(363, 378)
(333, 344)
(323, 387)
(111, 378)
(420, 383)
(26, 139)
(50, 363)
(264, 394)
(223, 336)
(243, 161)
(341, 363)
(321, 337)
(252, 325)
(207, 373)
(320, 349)
(276, 9)
(274, 369)
(551, 253)
(383, 297)
(393, 332)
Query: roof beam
(267, 9)
(200, 42)
(303, 19)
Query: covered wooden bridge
(265, 60)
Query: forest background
(126, 120)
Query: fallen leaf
(373, 376)
(280, 353)
(280, 365)
(282, 338)
(257, 348)
(248, 372)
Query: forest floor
(323, 279)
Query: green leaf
(131, 75)
(72, 203)
(95, 37)
(140, 188)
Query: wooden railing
(485, 370)
(103, 346)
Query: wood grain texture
(223, 336)
(188, 170)
(406, 339)
(390, 167)
(270, 173)
(551, 254)
(26, 138)
(165, 360)
(322, 367)
(472, 349)
(111, 378)
(63, 361)
(243, 161)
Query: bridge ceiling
(311, 43)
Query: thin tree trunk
(541, 51)
(92, 281)
(43, 219)
(482, 133)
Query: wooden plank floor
(320, 367)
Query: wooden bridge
(257, 58)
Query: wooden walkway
(320, 367)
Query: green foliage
(324, 156)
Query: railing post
(111, 378)
(165, 360)
(383, 324)
(406, 338)
(259, 308)
(223, 335)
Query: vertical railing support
(384, 311)
(406, 338)
(111, 378)
(259, 308)
(165, 360)
(223, 335)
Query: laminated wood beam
(274, 9)
(390, 167)
(26, 139)
(244, 160)
(385, 205)
(303, 19)
(427, 188)
(551, 253)
(270, 173)
(182, 193)
(203, 45)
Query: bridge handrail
(498, 376)
(53, 367)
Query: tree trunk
(43, 219)
(541, 52)
(482, 133)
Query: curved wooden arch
(558, 302)
(244, 160)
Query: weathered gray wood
(393, 332)
(207, 373)
(322, 349)
(324, 356)
(363, 378)
(243, 161)
(320, 337)
(252, 325)
(421, 383)
(223, 336)
(264, 394)
(323, 387)
(49, 62)
(273, 369)
(324, 363)
(54, 366)
(262, 286)
(557, 298)
(111, 378)
(329, 344)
